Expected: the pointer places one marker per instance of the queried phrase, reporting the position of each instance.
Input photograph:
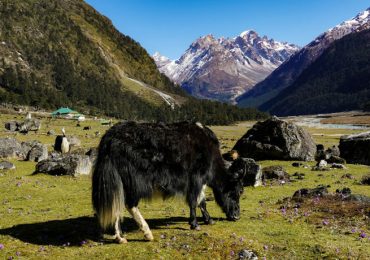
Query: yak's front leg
(193, 217)
(206, 217)
(135, 213)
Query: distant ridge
(289, 71)
(221, 69)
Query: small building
(66, 112)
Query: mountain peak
(248, 33)
(227, 66)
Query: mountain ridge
(223, 68)
(285, 75)
(337, 81)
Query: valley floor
(47, 217)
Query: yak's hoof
(210, 222)
(121, 240)
(149, 237)
(197, 227)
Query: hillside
(337, 81)
(289, 71)
(64, 53)
(223, 68)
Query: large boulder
(355, 148)
(275, 139)
(10, 148)
(35, 151)
(65, 164)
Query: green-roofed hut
(64, 112)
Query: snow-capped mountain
(224, 68)
(288, 72)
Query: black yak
(136, 160)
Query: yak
(137, 160)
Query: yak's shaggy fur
(136, 160)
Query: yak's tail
(107, 192)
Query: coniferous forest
(64, 53)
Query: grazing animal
(87, 128)
(136, 160)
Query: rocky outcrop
(355, 148)
(29, 125)
(319, 191)
(275, 139)
(34, 151)
(31, 150)
(11, 148)
(65, 164)
(275, 173)
(331, 155)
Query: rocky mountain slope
(288, 72)
(64, 53)
(222, 68)
(339, 80)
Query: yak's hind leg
(203, 207)
(117, 232)
(135, 213)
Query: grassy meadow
(48, 217)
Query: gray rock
(366, 179)
(4, 165)
(275, 172)
(35, 151)
(73, 141)
(355, 148)
(338, 166)
(65, 164)
(247, 254)
(322, 164)
(51, 132)
(336, 159)
(316, 192)
(12, 126)
(29, 125)
(10, 148)
(275, 139)
(93, 154)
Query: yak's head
(228, 191)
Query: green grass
(47, 217)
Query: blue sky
(170, 26)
